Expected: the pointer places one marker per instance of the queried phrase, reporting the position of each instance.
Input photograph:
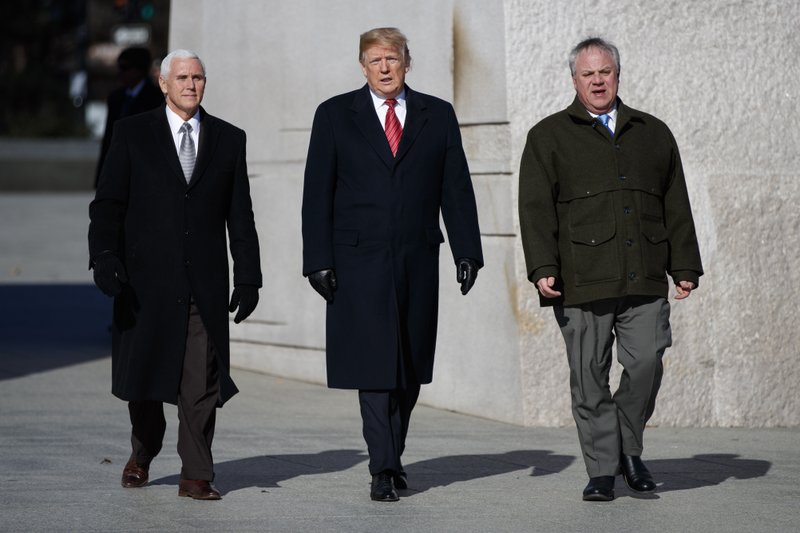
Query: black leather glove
(109, 273)
(466, 272)
(245, 297)
(324, 282)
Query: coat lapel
(209, 135)
(163, 139)
(367, 121)
(416, 118)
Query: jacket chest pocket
(594, 253)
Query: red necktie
(393, 128)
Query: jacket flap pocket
(348, 237)
(435, 235)
(593, 234)
(654, 232)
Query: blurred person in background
(137, 94)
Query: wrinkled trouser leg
(197, 402)
(608, 425)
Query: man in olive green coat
(604, 217)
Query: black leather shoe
(382, 489)
(401, 480)
(599, 489)
(636, 475)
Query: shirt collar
(377, 101)
(175, 122)
(612, 114)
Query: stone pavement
(290, 457)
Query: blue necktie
(604, 118)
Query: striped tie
(393, 128)
(186, 153)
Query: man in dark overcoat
(604, 218)
(137, 94)
(383, 162)
(174, 179)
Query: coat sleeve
(318, 191)
(107, 210)
(538, 219)
(684, 261)
(459, 210)
(241, 224)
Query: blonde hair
(390, 37)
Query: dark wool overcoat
(374, 219)
(171, 238)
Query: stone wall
(721, 74)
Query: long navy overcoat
(374, 219)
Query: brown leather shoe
(198, 489)
(134, 475)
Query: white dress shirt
(381, 107)
(175, 123)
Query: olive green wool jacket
(606, 216)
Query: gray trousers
(609, 425)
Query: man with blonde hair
(383, 162)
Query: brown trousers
(197, 402)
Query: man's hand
(683, 289)
(466, 273)
(324, 282)
(545, 286)
(109, 273)
(245, 297)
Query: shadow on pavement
(443, 471)
(704, 470)
(267, 471)
(48, 326)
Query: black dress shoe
(382, 489)
(599, 489)
(401, 480)
(134, 475)
(636, 475)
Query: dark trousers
(386, 415)
(198, 396)
(612, 424)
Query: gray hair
(593, 42)
(179, 54)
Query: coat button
(622, 178)
(626, 210)
(629, 242)
(181, 300)
(632, 276)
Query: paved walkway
(290, 457)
